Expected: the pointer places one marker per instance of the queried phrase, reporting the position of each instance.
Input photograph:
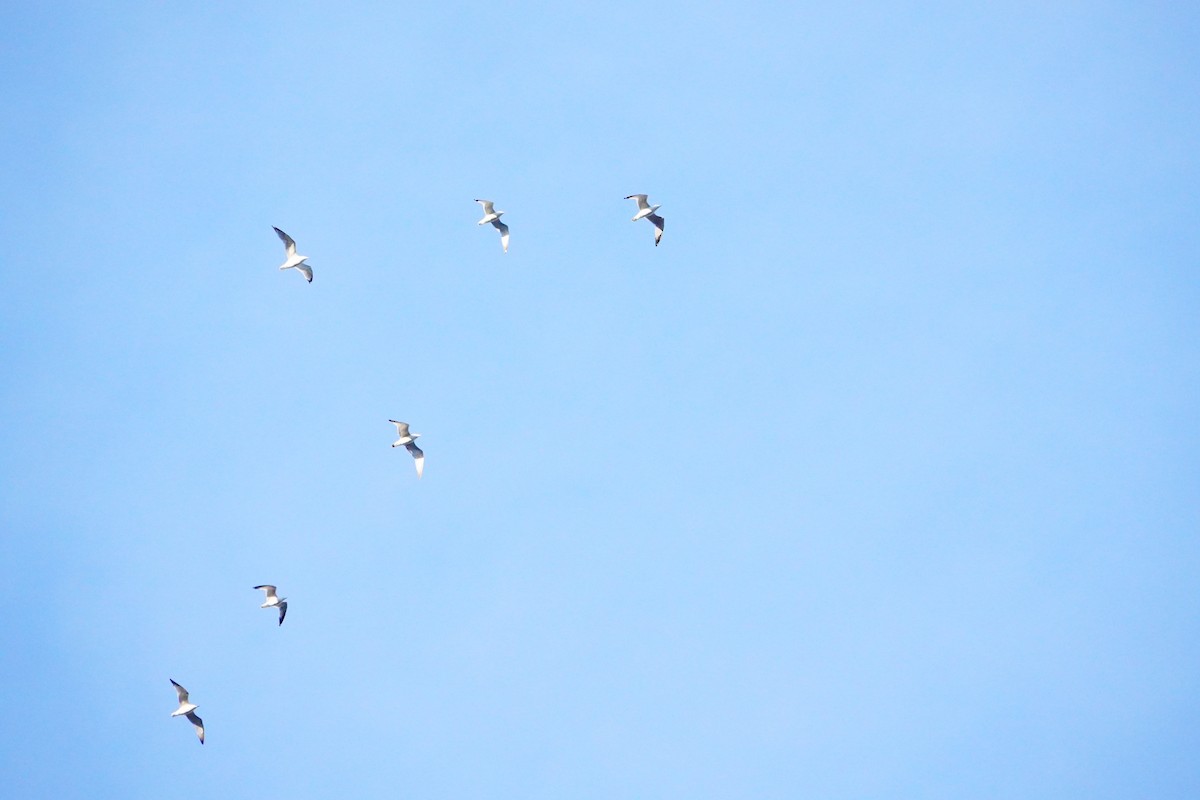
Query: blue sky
(877, 479)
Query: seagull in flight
(409, 440)
(490, 214)
(646, 211)
(188, 710)
(274, 601)
(294, 259)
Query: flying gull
(409, 440)
(646, 211)
(490, 214)
(188, 710)
(294, 259)
(274, 601)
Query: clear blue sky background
(878, 478)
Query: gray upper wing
(288, 242)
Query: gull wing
(488, 206)
(418, 456)
(197, 723)
(401, 428)
(288, 242)
(658, 223)
(179, 690)
(268, 588)
(641, 200)
(307, 270)
(500, 226)
(282, 611)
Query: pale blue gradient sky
(877, 479)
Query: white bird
(274, 601)
(294, 259)
(409, 440)
(490, 214)
(646, 211)
(187, 709)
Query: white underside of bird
(274, 601)
(646, 211)
(490, 214)
(409, 442)
(294, 259)
(188, 709)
